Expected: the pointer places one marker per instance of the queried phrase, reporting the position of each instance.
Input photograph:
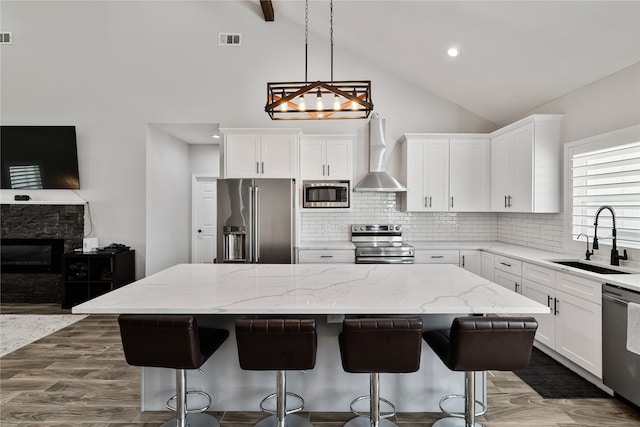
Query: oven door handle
(381, 260)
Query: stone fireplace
(38, 224)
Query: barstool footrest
(170, 406)
(366, 414)
(482, 411)
(286, 412)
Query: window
(605, 171)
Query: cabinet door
(471, 261)
(546, 332)
(579, 332)
(326, 256)
(469, 175)
(278, 156)
(339, 158)
(507, 280)
(437, 257)
(500, 172)
(242, 156)
(437, 175)
(416, 176)
(522, 165)
(312, 159)
(488, 261)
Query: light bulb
(354, 105)
(453, 52)
(319, 103)
(301, 104)
(336, 103)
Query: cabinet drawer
(507, 280)
(590, 290)
(437, 257)
(541, 275)
(508, 264)
(342, 256)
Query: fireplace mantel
(42, 197)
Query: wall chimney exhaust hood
(377, 179)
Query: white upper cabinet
(446, 173)
(326, 157)
(260, 153)
(526, 165)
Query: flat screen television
(38, 157)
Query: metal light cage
(340, 100)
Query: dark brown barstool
(481, 344)
(374, 346)
(278, 345)
(175, 342)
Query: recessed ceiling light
(453, 52)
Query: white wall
(168, 226)
(205, 159)
(111, 67)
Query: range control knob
(397, 227)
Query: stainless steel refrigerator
(256, 221)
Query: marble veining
(312, 289)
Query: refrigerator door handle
(257, 224)
(251, 234)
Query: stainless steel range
(380, 244)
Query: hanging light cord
(331, 33)
(306, 37)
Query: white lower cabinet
(574, 327)
(471, 260)
(508, 280)
(488, 267)
(326, 256)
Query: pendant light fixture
(331, 99)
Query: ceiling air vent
(5, 37)
(230, 39)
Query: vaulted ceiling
(514, 55)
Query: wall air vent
(230, 39)
(5, 37)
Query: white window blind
(608, 176)
(25, 177)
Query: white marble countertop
(312, 289)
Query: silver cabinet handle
(505, 264)
(262, 167)
(451, 201)
(257, 167)
(426, 204)
(509, 198)
(463, 260)
(429, 201)
(556, 303)
(437, 256)
(505, 200)
(328, 170)
(517, 286)
(326, 256)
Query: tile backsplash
(380, 208)
(542, 231)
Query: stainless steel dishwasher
(620, 367)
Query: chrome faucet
(587, 254)
(615, 258)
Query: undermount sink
(589, 267)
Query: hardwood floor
(78, 377)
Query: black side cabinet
(86, 276)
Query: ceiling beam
(267, 10)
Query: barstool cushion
(382, 345)
(168, 341)
(276, 344)
(485, 343)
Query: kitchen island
(221, 293)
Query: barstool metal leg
(281, 400)
(470, 398)
(181, 398)
(374, 390)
